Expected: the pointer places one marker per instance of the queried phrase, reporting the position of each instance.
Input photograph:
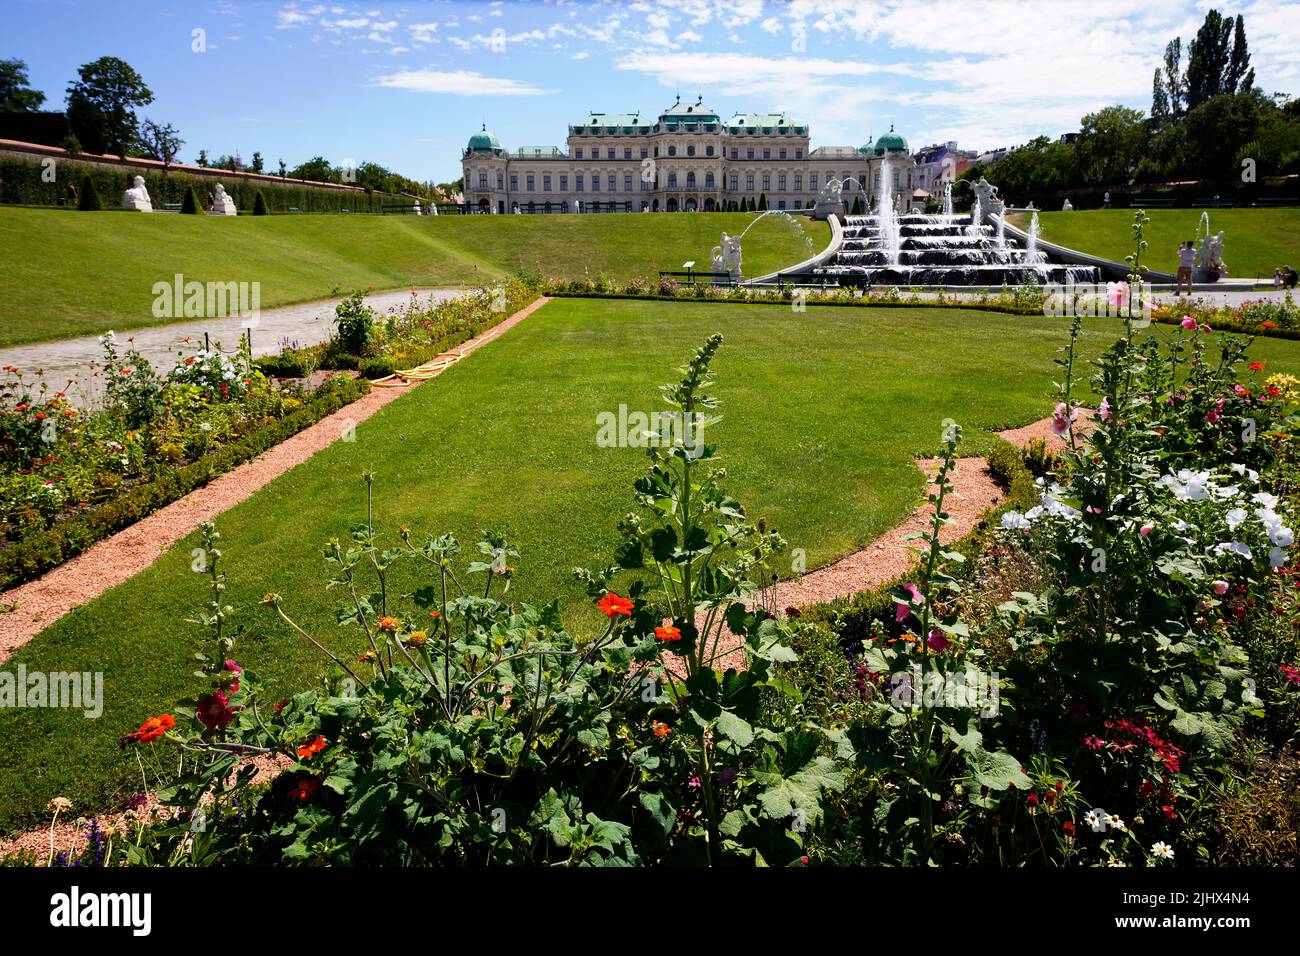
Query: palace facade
(686, 159)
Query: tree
(1240, 76)
(1218, 129)
(1218, 61)
(259, 205)
(317, 168)
(160, 142)
(257, 164)
(190, 205)
(88, 198)
(1174, 83)
(1160, 111)
(16, 96)
(1109, 144)
(101, 105)
(203, 158)
(762, 201)
(284, 170)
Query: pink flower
(937, 642)
(1103, 410)
(1146, 529)
(903, 611)
(1061, 420)
(1220, 587)
(214, 711)
(1189, 323)
(1214, 415)
(1291, 674)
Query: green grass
(823, 413)
(65, 274)
(1256, 241)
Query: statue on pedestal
(725, 256)
(137, 197)
(1210, 266)
(986, 199)
(222, 204)
(830, 200)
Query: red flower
(1256, 366)
(153, 728)
(305, 789)
(613, 605)
(310, 750)
(667, 634)
(660, 728)
(214, 710)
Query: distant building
(1068, 138)
(686, 159)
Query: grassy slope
(823, 413)
(66, 274)
(1256, 241)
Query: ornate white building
(686, 159)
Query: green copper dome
(484, 142)
(890, 142)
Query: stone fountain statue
(986, 199)
(137, 197)
(222, 204)
(726, 256)
(1210, 266)
(830, 200)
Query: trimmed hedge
(21, 184)
(40, 551)
(88, 199)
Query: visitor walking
(1186, 260)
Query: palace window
(627, 182)
(798, 182)
(577, 182)
(501, 180)
(812, 181)
(690, 150)
(781, 154)
(564, 183)
(734, 152)
(735, 182)
(546, 184)
(690, 179)
(613, 183)
(672, 180)
(749, 154)
(643, 152)
(798, 152)
(672, 150)
(482, 179)
(767, 153)
(780, 182)
(708, 150)
(531, 183)
(767, 181)
(780, 204)
(627, 152)
(595, 182)
(577, 152)
(514, 182)
(612, 152)
(749, 182)
(708, 180)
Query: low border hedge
(36, 553)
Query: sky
(406, 84)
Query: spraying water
(1031, 247)
(947, 198)
(1002, 231)
(976, 227)
(886, 217)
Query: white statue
(726, 256)
(986, 199)
(222, 204)
(137, 197)
(830, 199)
(416, 210)
(1067, 206)
(1209, 258)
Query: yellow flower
(417, 638)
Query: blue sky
(405, 84)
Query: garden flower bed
(1106, 676)
(70, 477)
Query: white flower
(1248, 472)
(1235, 517)
(1233, 547)
(1093, 819)
(1265, 499)
(1277, 557)
(1015, 521)
(1162, 850)
(1114, 821)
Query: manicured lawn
(1256, 241)
(65, 273)
(823, 413)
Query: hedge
(38, 552)
(21, 184)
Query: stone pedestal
(826, 206)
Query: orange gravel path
(112, 561)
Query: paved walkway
(305, 324)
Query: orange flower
(612, 604)
(389, 624)
(154, 728)
(305, 789)
(417, 638)
(660, 728)
(435, 614)
(1256, 366)
(668, 634)
(310, 750)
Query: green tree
(16, 96)
(258, 163)
(203, 158)
(88, 198)
(1160, 110)
(190, 205)
(1174, 82)
(102, 103)
(1218, 129)
(1109, 144)
(317, 168)
(160, 142)
(762, 200)
(259, 205)
(1218, 61)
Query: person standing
(1105, 200)
(1186, 260)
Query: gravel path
(74, 360)
(110, 562)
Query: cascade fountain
(887, 217)
(947, 198)
(1002, 231)
(1031, 247)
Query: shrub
(88, 199)
(379, 367)
(190, 205)
(259, 205)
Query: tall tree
(160, 142)
(101, 105)
(1160, 113)
(1240, 76)
(16, 96)
(1175, 85)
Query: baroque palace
(687, 159)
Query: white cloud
(457, 83)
